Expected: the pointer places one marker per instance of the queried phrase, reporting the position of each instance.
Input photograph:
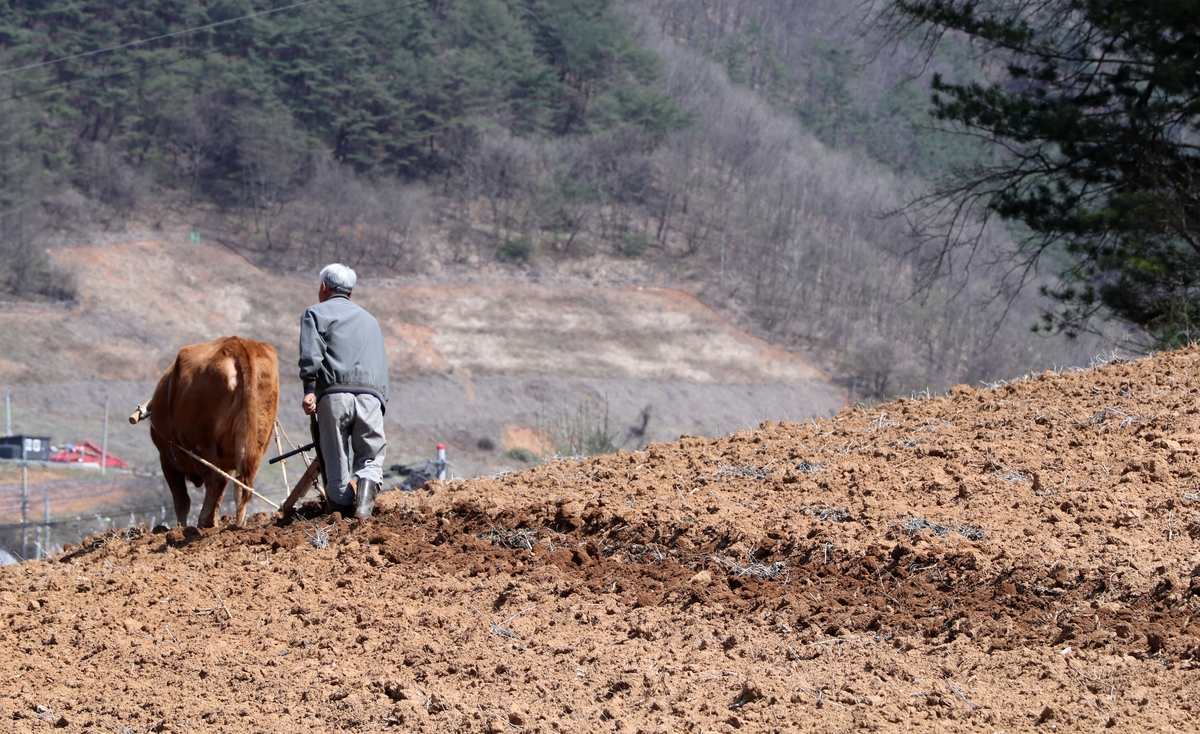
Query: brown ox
(218, 401)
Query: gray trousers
(351, 424)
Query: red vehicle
(86, 452)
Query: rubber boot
(367, 489)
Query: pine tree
(1096, 106)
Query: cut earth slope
(467, 359)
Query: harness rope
(215, 468)
(277, 430)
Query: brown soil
(773, 580)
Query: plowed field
(1020, 558)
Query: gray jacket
(341, 350)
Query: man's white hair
(339, 278)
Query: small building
(86, 453)
(25, 448)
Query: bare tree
(198, 139)
(273, 154)
(356, 221)
(102, 173)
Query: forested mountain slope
(378, 84)
(823, 62)
(505, 138)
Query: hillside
(526, 137)
(1021, 558)
(836, 70)
(210, 90)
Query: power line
(63, 523)
(201, 54)
(156, 38)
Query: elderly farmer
(344, 368)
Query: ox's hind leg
(179, 494)
(243, 499)
(214, 492)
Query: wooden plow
(308, 479)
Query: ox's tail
(258, 369)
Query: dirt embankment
(1025, 558)
(468, 360)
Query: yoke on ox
(218, 401)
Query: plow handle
(293, 452)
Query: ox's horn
(141, 414)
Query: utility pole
(8, 412)
(44, 547)
(104, 442)
(24, 511)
